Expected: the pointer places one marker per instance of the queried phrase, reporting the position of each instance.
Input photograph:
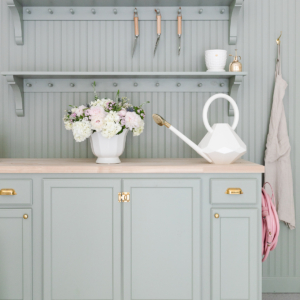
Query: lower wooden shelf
(46, 82)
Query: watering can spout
(159, 120)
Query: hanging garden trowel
(179, 29)
(158, 24)
(136, 29)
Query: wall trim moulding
(57, 82)
(51, 10)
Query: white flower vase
(108, 150)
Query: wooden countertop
(172, 165)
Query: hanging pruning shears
(179, 29)
(158, 27)
(136, 29)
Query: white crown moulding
(22, 10)
(74, 82)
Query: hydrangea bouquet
(109, 117)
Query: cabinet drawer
(22, 187)
(218, 188)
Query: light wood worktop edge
(76, 166)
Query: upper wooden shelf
(91, 75)
(117, 3)
(122, 10)
(221, 82)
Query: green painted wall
(104, 46)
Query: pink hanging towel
(270, 223)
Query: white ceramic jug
(221, 145)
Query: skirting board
(281, 285)
(280, 296)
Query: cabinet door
(15, 254)
(82, 239)
(161, 227)
(235, 254)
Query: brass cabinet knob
(7, 192)
(124, 197)
(25, 216)
(217, 216)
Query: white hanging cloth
(278, 171)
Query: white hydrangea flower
(111, 125)
(139, 130)
(81, 130)
(103, 102)
(127, 105)
(112, 116)
(68, 125)
(95, 103)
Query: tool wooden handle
(136, 26)
(158, 19)
(179, 28)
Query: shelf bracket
(234, 11)
(16, 84)
(16, 10)
(234, 85)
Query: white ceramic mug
(215, 60)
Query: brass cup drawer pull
(7, 192)
(234, 191)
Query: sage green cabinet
(80, 243)
(235, 249)
(15, 254)
(161, 239)
(82, 239)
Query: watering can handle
(208, 103)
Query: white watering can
(221, 145)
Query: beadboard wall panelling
(106, 46)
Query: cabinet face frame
(194, 188)
(27, 246)
(115, 185)
(251, 215)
